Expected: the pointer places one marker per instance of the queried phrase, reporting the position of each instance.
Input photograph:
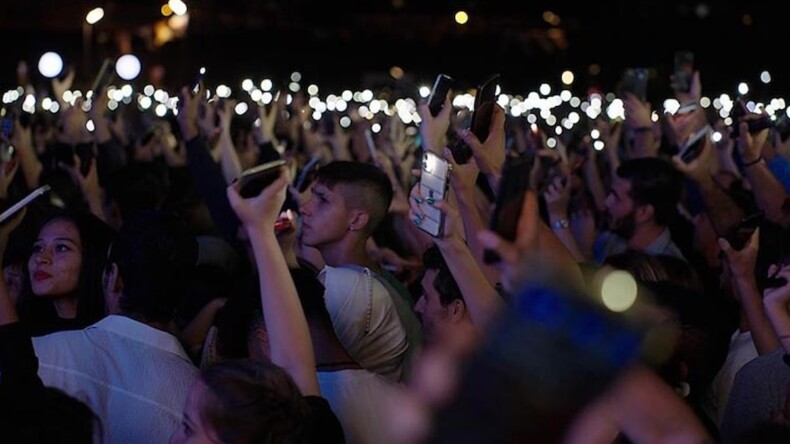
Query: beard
(624, 226)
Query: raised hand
(697, 169)
(434, 129)
(742, 262)
(61, 86)
(489, 154)
(188, 113)
(557, 196)
(258, 214)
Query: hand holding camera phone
(434, 184)
(439, 93)
(634, 81)
(755, 122)
(255, 179)
(35, 194)
(741, 234)
(480, 123)
(695, 144)
(513, 188)
(684, 72)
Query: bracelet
(753, 162)
(562, 223)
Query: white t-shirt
(134, 377)
(741, 351)
(361, 401)
(365, 320)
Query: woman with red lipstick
(65, 268)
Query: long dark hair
(95, 237)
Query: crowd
(641, 296)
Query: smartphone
(485, 101)
(684, 71)
(693, 147)
(755, 124)
(441, 86)
(104, 77)
(195, 86)
(634, 81)
(740, 235)
(371, 144)
(513, 188)
(434, 183)
(782, 127)
(35, 194)
(255, 179)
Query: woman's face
(192, 429)
(56, 261)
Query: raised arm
(289, 336)
(723, 211)
(231, 166)
(768, 191)
(479, 294)
(742, 265)
(535, 254)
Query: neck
(153, 324)
(348, 251)
(66, 307)
(644, 235)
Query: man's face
(434, 317)
(621, 209)
(325, 217)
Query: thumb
(471, 140)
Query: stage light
(50, 64)
(128, 67)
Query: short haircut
(371, 188)
(252, 402)
(444, 283)
(654, 182)
(156, 257)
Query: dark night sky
(343, 45)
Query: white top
(357, 301)
(134, 377)
(741, 351)
(361, 401)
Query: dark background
(344, 44)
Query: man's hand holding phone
(490, 153)
(188, 105)
(696, 168)
(433, 130)
(452, 229)
(742, 262)
(750, 146)
(259, 213)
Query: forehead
(60, 228)
(427, 281)
(621, 187)
(337, 191)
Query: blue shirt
(608, 244)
